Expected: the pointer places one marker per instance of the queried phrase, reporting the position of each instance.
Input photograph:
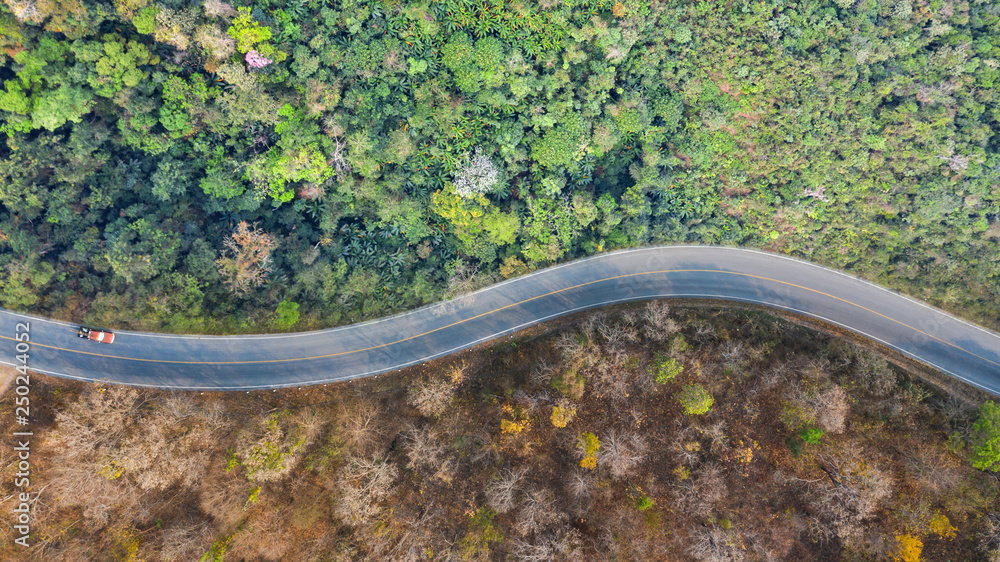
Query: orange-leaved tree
(246, 261)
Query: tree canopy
(385, 146)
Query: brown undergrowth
(573, 440)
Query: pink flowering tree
(255, 60)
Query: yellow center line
(557, 291)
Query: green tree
(116, 63)
(55, 108)
(563, 144)
(986, 438)
(170, 179)
(287, 314)
(666, 369)
(695, 399)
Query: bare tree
(423, 447)
(360, 426)
(561, 543)
(849, 495)
(612, 380)
(217, 8)
(989, 538)
(659, 324)
(406, 534)
(501, 494)
(185, 541)
(265, 536)
(617, 334)
(686, 447)
(825, 404)
(832, 409)
(711, 543)
(537, 512)
(934, 469)
(224, 497)
(700, 494)
(873, 371)
(580, 483)
(432, 396)
(475, 175)
(717, 433)
(621, 452)
(704, 332)
(572, 345)
(363, 483)
(541, 375)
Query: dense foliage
(394, 152)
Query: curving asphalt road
(953, 346)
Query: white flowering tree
(476, 175)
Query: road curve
(955, 347)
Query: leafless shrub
(363, 483)
(360, 426)
(612, 381)
(483, 448)
(955, 409)
(776, 375)
(501, 494)
(849, 495)
(825, 404)
(712, 543)
(685, 448)
(704, 333)
(96, 421)
(659, 324)
(535, 404)
(185, 541)
(580, 483)
(717, 433)
(874, 372)
(571, 345)
(621, 452)
(223, 497)
(82, 484)
(423, 447)
(407, 534)
(541, 375)
(432, 396)
(934, 469)
(537, 512)
(701, 493)
(832, 409)
(989, 537)
(561, 543)
(265, 536)
(617, 334)
(733, 353)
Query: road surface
(955, 347)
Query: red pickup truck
(95, 334)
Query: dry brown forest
(580, 440)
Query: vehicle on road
(95, 334)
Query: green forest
(215, 167)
